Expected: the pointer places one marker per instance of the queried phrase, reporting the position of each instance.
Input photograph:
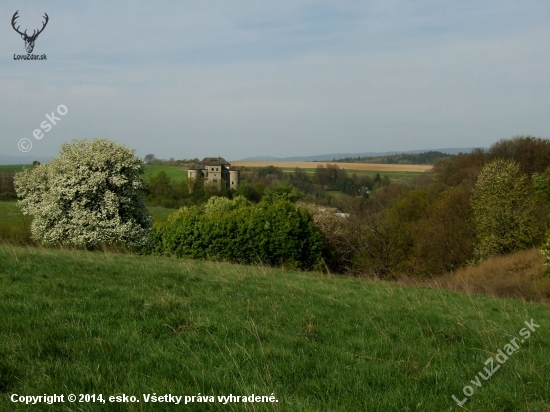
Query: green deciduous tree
(87, 196)
(504, 210)
(150, 158)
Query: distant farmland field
(349, 166)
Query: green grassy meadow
(104, 323)
(176, 173)
(337, 194)
(15, 227)
(160, 214)
(13, 168)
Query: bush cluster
(237, 231)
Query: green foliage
(332, 177)
(540, 185)
(270, 170)
(546, 250)
(503, 205)
(236, 231)
(445, 235)
(385, 228)
(89, 195)
(531, 153)
(283, 191)
(160, 184)
(217, 204)
(250, 192)
(150, 158)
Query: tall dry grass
(521, 275)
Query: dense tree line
(313, 185)
(425, 158)
(475, 205)
(152, 159)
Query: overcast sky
(188, 79)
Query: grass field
(101, 323)
(174, 172)
(180, 173)
(403, 176)
(13, 224)
(160, 214)
(16, 227)
(13, 168)
(337, 194)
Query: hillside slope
(83, 322)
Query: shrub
(219, 204)
(236, 231)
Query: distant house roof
(213, 161)
(210, 161)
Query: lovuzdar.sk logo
(29, 40)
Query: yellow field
(349, 166)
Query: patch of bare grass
(521, 275)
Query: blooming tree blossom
(87, 196)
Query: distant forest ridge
(425, 158)
(330, 157)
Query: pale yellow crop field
(349, 166)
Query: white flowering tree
(88, 196)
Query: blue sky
(288, 78)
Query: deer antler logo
(29, 40)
